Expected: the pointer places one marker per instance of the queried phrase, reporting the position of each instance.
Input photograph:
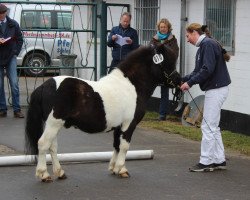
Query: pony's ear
(160, 49)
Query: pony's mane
(141, 57)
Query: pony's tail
(34, 122)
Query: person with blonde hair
(164, 36)
(212, 75)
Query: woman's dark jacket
(170, 42)
(14, 45)
(210, 68)
(120, 52)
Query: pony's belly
(91, 128)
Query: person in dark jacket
(212, 75)
(123, 39)
(164, 36)
(11, 41)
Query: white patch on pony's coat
(119, 98)
(60, 79)
(124, 145)
(52, 127)
(118, 95)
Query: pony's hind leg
(44, 143)
(57, 169)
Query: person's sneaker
(3, 113)
(18, 114)
(202, 168)
(221, 166)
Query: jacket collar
(120, 26)
(5, 20)
(200, 40)
(169, 37)
(9, 21)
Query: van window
(64, 20)
(45, 19)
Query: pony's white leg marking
(51, 129)
(113, 161)
(125, 125)
(120, 162)
(57, 169)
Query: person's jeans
(11, 72)
(164, 102)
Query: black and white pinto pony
(116, 102)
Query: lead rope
(204, 119)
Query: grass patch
(233, 141)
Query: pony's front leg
(120, 168)
(113, 161)
(57, 169)
(116, 144)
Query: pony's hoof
(124, 175)
(47, 180)
(62, 177)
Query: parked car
(46, 30)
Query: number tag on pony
(158, 58)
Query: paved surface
(164, 177)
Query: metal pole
(95, 41)
(182, 37)
(103, 39)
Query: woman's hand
(185, 87)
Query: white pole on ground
(76, 157)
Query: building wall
(239, 66)
(238, 99)
(236, 109)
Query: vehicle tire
(35, 61)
